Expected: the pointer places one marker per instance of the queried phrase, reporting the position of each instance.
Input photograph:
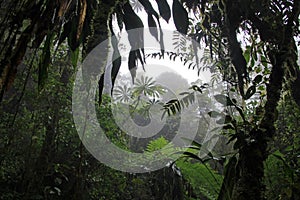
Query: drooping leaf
(116, 56)
(81, 20)
(65, 32)
(164, 9)
(132, 60)
(136, 39)
(180, 15)
(152, 23)
(73, 42)
(131, 19)
(148, 8)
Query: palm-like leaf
(122, 94)
(146, 86)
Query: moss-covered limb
(282, 54)
(250, 169)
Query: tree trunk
(249, 170)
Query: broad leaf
(250, 92)
(164, 9)
(180, 15)
(257, 79)
(131, 19)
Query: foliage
(253, 48)
(200, 177)
(282, 167)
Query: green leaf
(180, 15)
(247, 54)
(261, 88)
(279, 156)
(250, 92)
(257, 79)
(157, 144)
(264, 61)
(252, 63)
(74, 57)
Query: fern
(175, 106)
(157, 144)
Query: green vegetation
(251, 47)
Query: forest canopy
(251, 46)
